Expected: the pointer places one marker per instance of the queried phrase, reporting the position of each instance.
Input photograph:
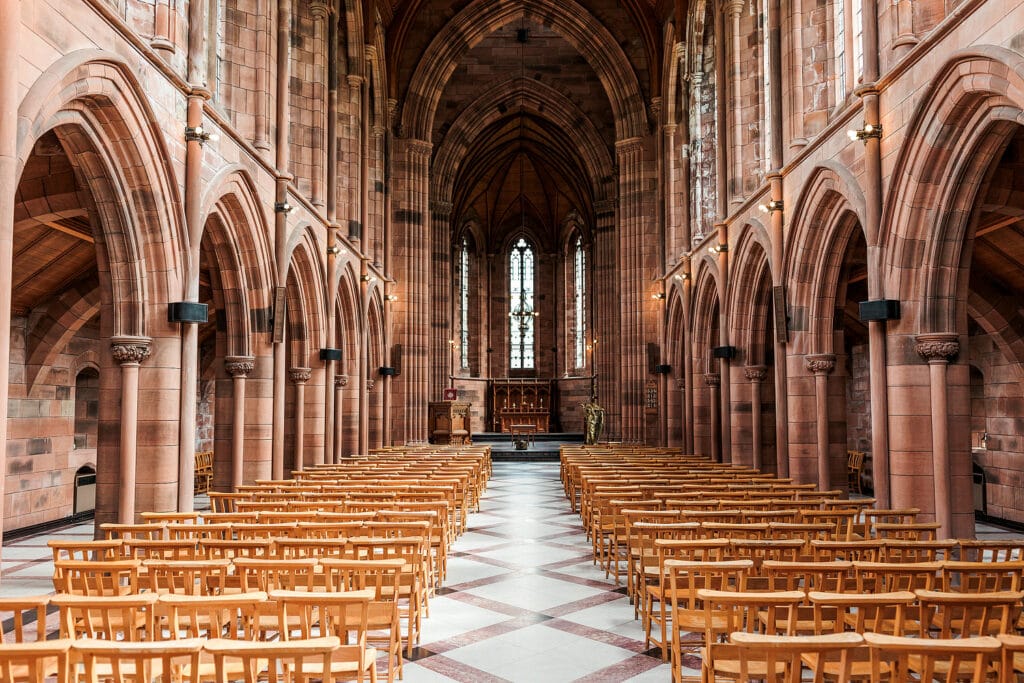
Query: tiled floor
(523, 600)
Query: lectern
(448, 422)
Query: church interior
(553, 287)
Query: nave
(522, 600)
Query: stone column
(239, 368)
(821, 365)
(129, 352)
(441, 321)
(937, 349)
(714, 380)
(905, 36)
(10, 22)
(340, 382)
(684, 426)
(733, 8)
(319, 11)
(299, 377)
(756, 374)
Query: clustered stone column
(239, 368)
(733, 8)
(756, 374)
(938, 349)
(821, 366)
(714, 381)
(129, 352)
(340, 382)
(299, 377)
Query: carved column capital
(680, 383)
(129, 350)
(239, 366)
(318, 9)
(713, 379)
(820, 363)
(937, 348)
(369, 384)
(299, 375)
(341, 380)
(756, 373)
(733, 8)
(355, 81)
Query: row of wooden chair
(747, 657)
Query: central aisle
(523, 600)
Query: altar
(517, 404)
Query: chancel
(527, 317)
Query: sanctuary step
(544, 447)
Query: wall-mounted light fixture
(682, 276)
(368, 278)
(718, 249)
(283, 207)
(391, 297)
(773, 205)
(870, 130)
(335, 249)
(658, 295)
(198, 134)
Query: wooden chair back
(212, 616)
(83, 577)
(139, 662)
(271, 661)
(778, 659)
(35, 661)
(929, 659)
(26, 617)
(115, 618)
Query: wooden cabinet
(448, 422)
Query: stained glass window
(521, 311)
(579, 278)
(464, 305)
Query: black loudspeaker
(724, 352)
(662, 369)
(396, 359)
(330, 354)
(880, 309)
(187, 312)
(387, 372)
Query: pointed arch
(95, 105)
(961, 126)
(480, 18)
(830, 208)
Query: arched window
(579, 281)
(848, 36)
(464, 305)
(521, 312)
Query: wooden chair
(140, 549)
(982, 577)
(289, 660)
(897, 550)
(928, 659)
(962, 615)
(732, 611)
(917, 531)
(35, 662)
(86, 550)
(657, 595)
(343, 614)
(215, 549)
(999, 550)
(84, 577)
(188, 577)
(116, 618)
(685, 606)
(847, 551)
(20, 613)
(778, 658)
(861, 613)
(170, 517)
(1012, 660)
(139, 662)
(231, 617)
(412, 594)
(152, 532)
(266, 576)
(854, 468)
(383, 577)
